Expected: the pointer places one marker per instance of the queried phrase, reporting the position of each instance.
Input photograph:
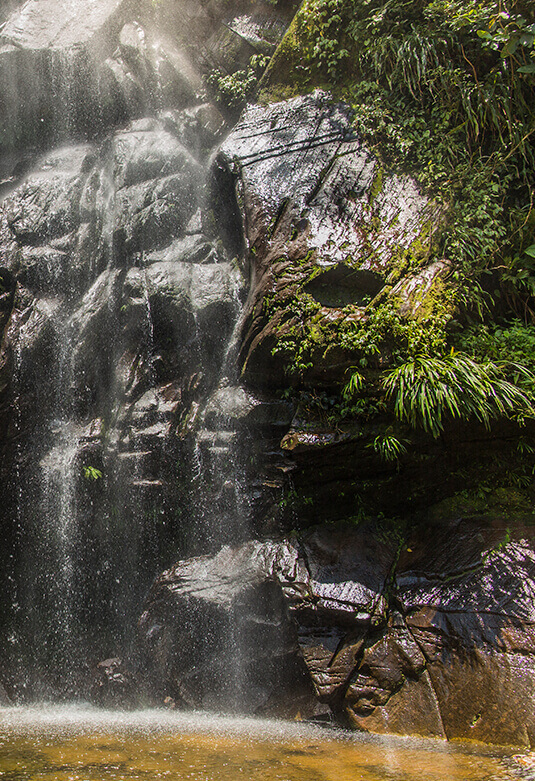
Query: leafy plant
(511, 345)
(233, 90)
(443, 89)
(427, 390)
(92, 473)
(354, 385)
(389, 447)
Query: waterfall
(132, 445)
(128, 299)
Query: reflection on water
(73, 744)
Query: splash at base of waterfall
(84, 743)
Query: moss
(287, 75)
(377, 184)
(437, 301)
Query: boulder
(467, 593)
(114, 686)
(217, 634)
(304, 608)
(429, 633)
(328, 229)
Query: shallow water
(84, 744)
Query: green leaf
(510, 47)
(530, 250)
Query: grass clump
(427, 390)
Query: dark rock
(342, 285)
(469, 607)
(241, 37)
(317, 642)
(114, 685)
(4, 699)
(217, 633)
(45, 206)
(439, 645)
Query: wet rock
(43, 24)
(439, 645)
(44, 208)
(4, 699)
(322, 218)
(470, 609)
(308, 607)
(82, 72)
(217, 634)
(43, 46)
(241, 37)
(146, 152)
(8, 286)
(114, 685)
(193, 248)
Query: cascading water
(127, 301)
(150, 554)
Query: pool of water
(85, 744)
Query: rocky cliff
(183, 298)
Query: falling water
(125, 383)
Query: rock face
(67, 71)
(144, 264)
(469, 607)
(219, 631)
(328, 229)
(129, 269)
(126, 300)
(420, 627)
(434, 640)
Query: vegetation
(91, 473)
(446, 90)
(443, 90)
(426, 390)
(233, 90)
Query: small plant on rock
(92, 473)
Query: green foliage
(234, 90)
(91, 473)
(511, 346)
(386, 335)
(322, 31)
(389, 447)
(444, 90)
(473, 59)
(354, 385)
(427, 390)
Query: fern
(426, 391)
(389, 447)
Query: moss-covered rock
(330, 235)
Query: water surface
(85, 744)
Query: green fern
(389, 447)
(92, 473)
(354, 386)
(426, 391)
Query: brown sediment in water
(69, 745)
